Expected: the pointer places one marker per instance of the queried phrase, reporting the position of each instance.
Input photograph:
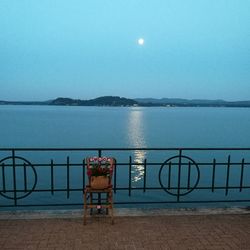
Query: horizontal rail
(130, 149)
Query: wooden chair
(100, 171)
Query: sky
(194, 49)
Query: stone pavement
(200, 231)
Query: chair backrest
(97, 166)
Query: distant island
(116, 101)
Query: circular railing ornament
(26, 183)
(173, 170)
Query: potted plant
(99, 174)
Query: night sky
(89, 48)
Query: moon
(140, 41)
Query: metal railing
(57, 176)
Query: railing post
(179, 176)
(242, 173)
(25, 177)
(68, 177)
(228, 173)
(189, 175)
(169, 175)
(3, 178)
(14, 176)
(213, 175)
(52, 176)
(99, 153)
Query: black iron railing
(57, 176)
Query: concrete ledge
(121, 212)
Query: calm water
(52, 126)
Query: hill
(178, 102)
(117, 101)
(100, 101)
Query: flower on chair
(99, 168)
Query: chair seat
(88, 188)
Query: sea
(27, 126)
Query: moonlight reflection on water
(137, 140)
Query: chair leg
(91, 201)
(107, 203)
(111, 207)
(85, 208)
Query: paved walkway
(129, 233)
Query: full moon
(140, 41)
